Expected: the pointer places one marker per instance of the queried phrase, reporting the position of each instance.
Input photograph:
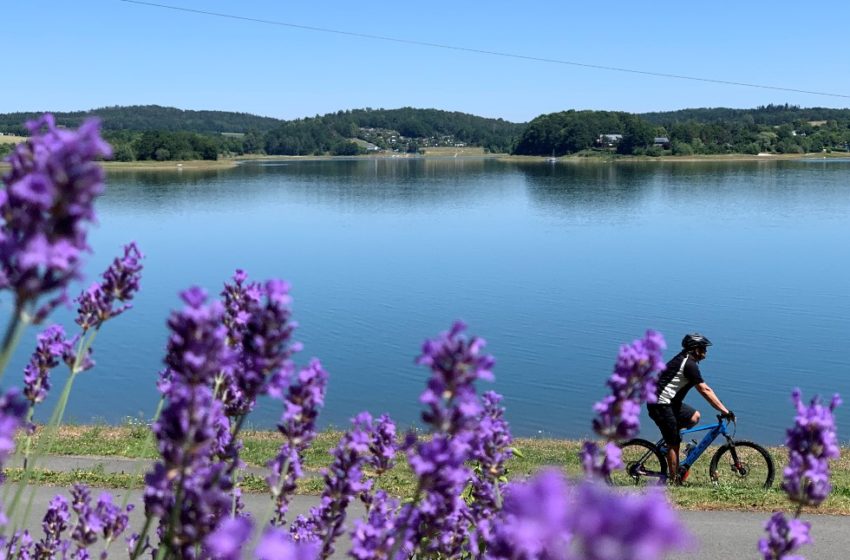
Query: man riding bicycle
(669, 412)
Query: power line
(482, 51)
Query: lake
(555, 265)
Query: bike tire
(754, 468)
(645, 465)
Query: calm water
(555, 265)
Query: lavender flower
(784, 536)
(13, 407)
(534, 521)
(343, 481)
(187, 489)
(632, 383)
(601, 462)
(55, 523)
(375, 538)
(456, 363)
(811, 443)
(47, 203)
(606, 525)
(275, 544)
(120, 284)
(51, 346)
(491, 451)
(382, 446)
(304, 397)
(229, 538)
(259, 327)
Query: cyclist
(670, 412)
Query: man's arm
(709, 395)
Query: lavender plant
(812, 442)
(46, 206)
(618, 415)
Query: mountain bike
(736, 463)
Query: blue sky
(63, 56)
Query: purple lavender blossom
(51, 346)
(197, 350)
(375, 538)
(120, 283)
(188, 489)
(784, 536)
(534, 520)
(13, 407)
(606, 525)
(75, 362)
(227, 541)
(631, 384)
(490, 451)
(456, 363)
(275, 544)
(343, 481)
(601, 462)
(46, 206)
(259, 326)
(811, 443)
(382, 441)
(304, 397)
(55, 523)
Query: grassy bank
(134, 441)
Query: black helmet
(695, 340)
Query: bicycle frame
(714, 430)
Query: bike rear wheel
(645, 465)
(742, 464)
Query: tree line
(165, 133)
(766, 129)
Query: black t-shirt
(676, 380)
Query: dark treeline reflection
(374, 184)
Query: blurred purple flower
(631, 384)
(533, 522)
(490, 452)
(343, 482)
(48, 201)
(120, 284)
(276, 544)
(811, 443)
(784, 536)
(55, 523)
(456, 363)
(51, 346)
(13, 408)
(606, 525)
(600, 463)
(375, 538)
(304, 397)
(228, 540)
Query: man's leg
(665, 418)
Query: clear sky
(60, 56)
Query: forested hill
(151, 117)
(782, 129)
(407, 129)
(773, 115)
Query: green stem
(28, 445)
(141, 542)
(10, 339)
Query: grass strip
(132, 441)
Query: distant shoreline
(229, 163)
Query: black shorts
(670, 419)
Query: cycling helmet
(695, 340)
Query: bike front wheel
(742, 464)
(645, 465)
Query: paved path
(720, 534)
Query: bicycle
(736, 463)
